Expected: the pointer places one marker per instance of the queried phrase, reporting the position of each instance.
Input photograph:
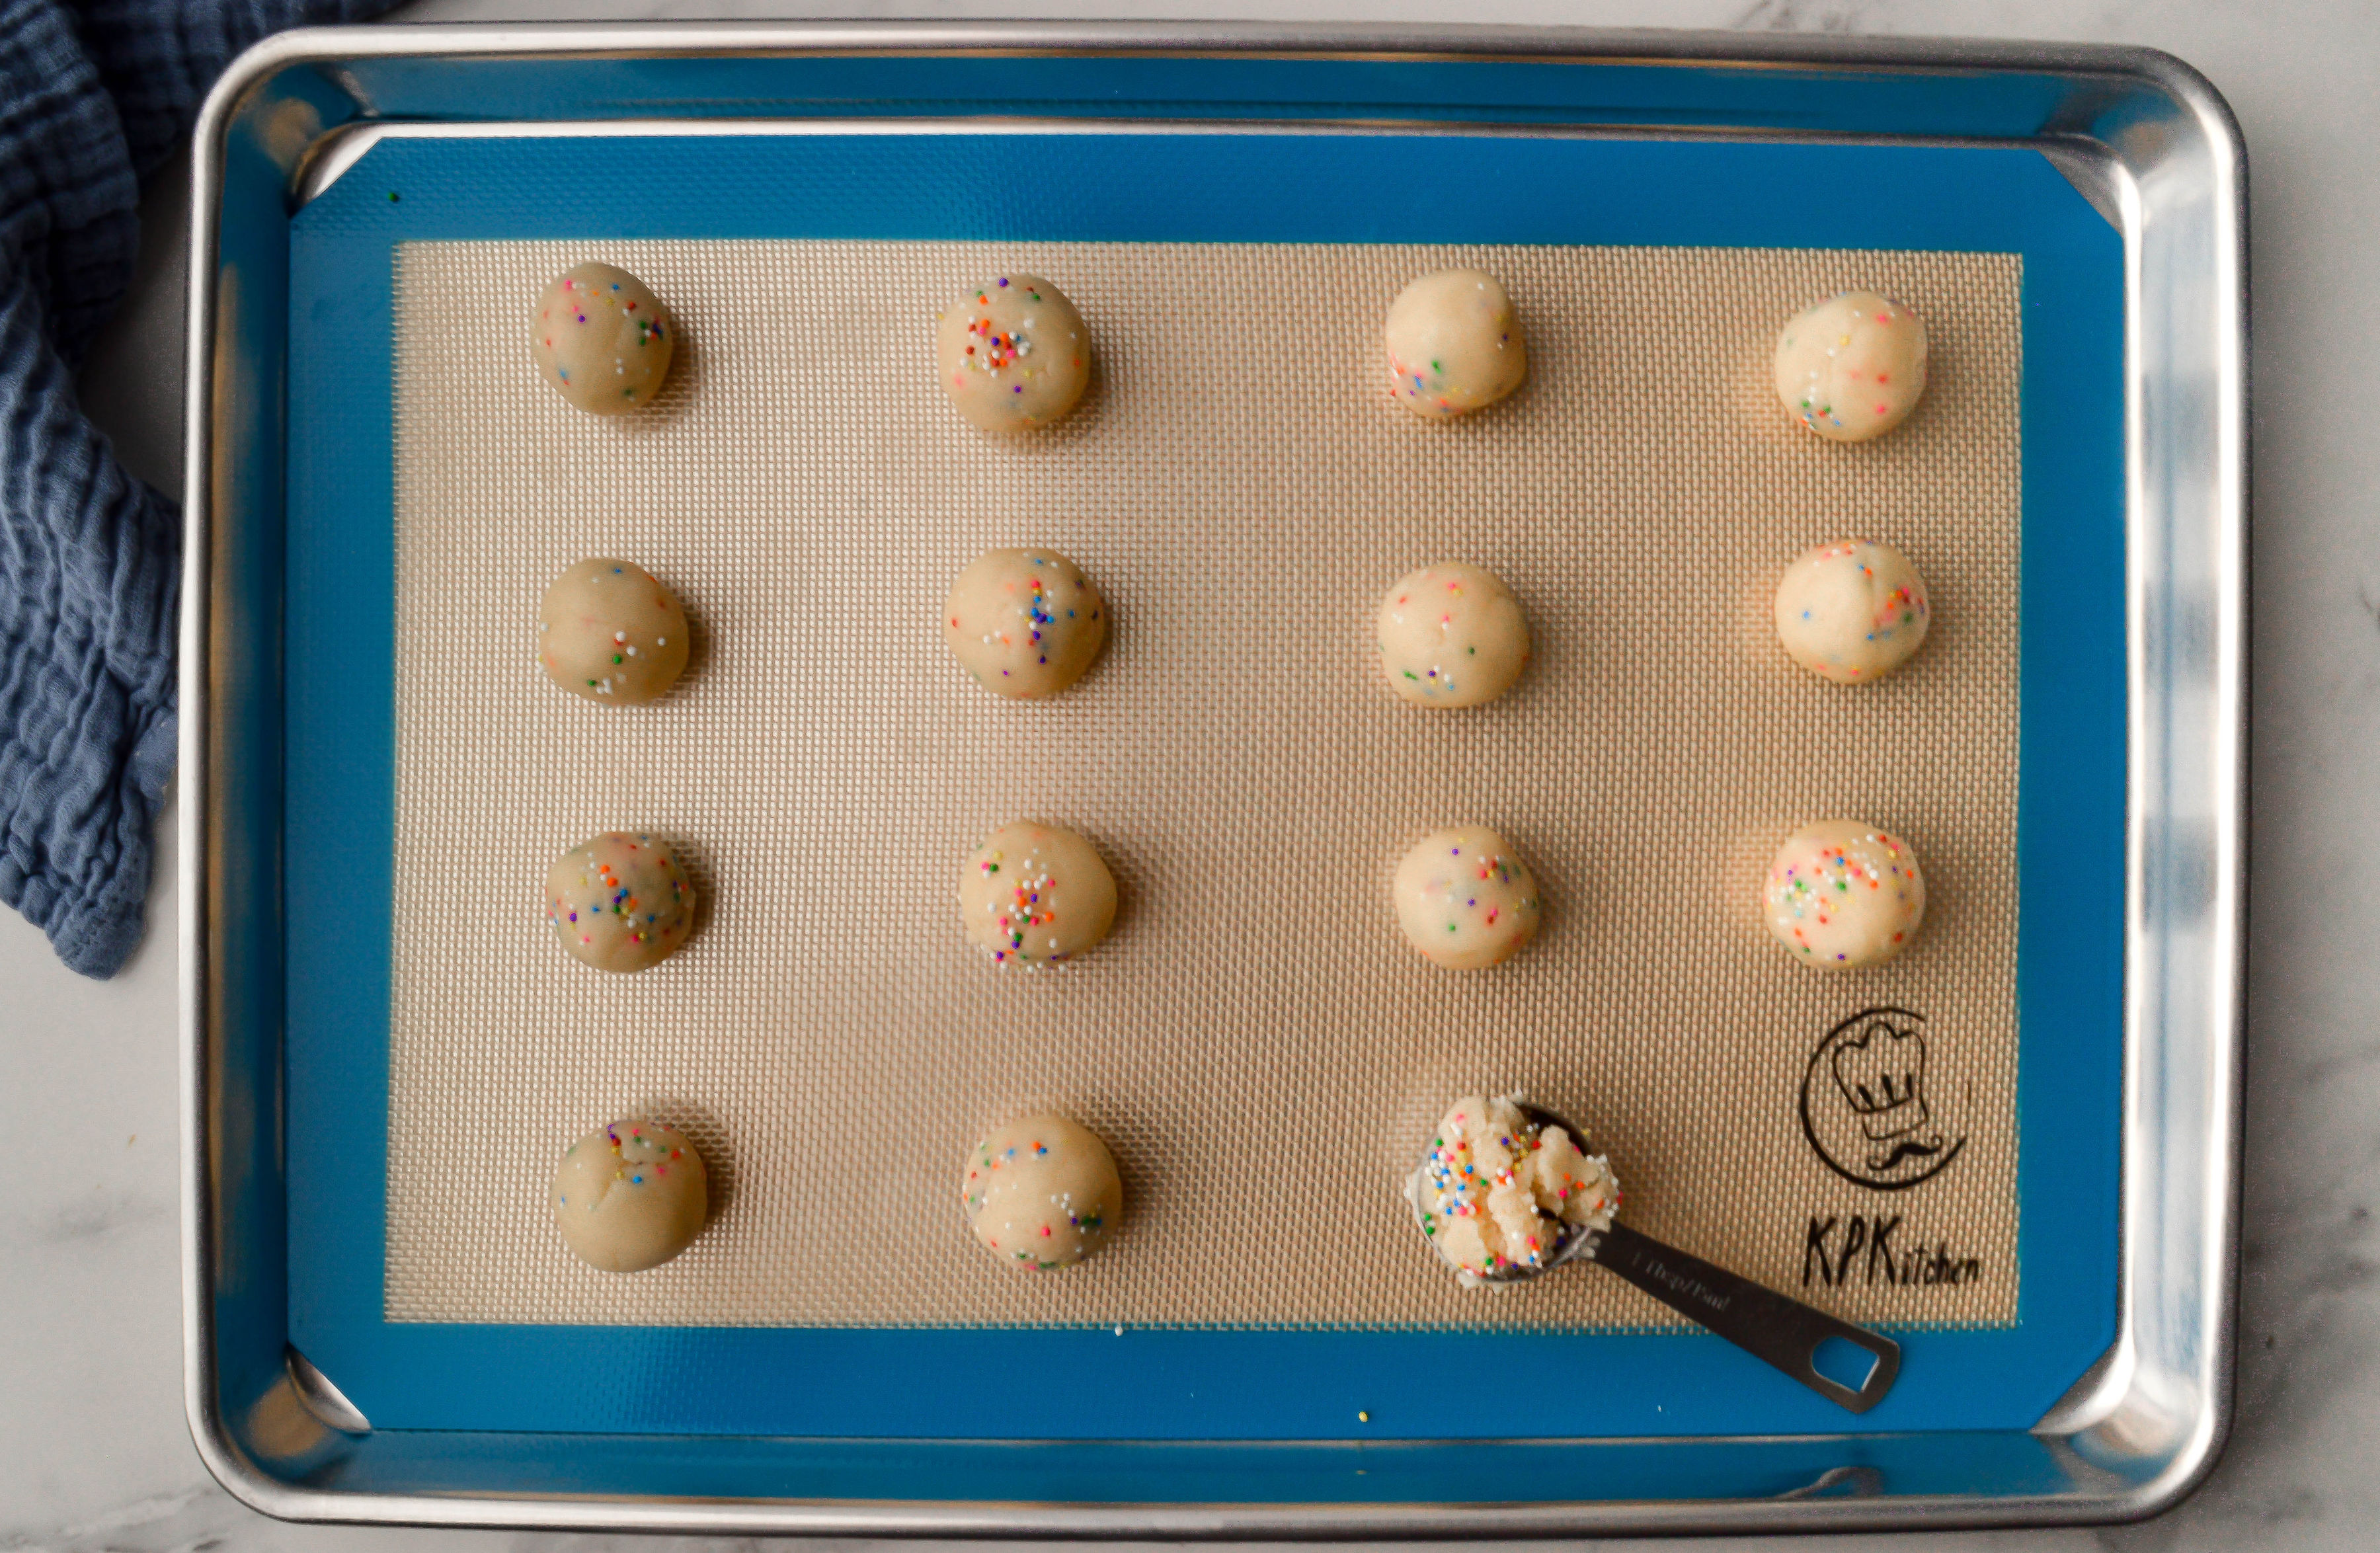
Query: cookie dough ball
(1464, 899)
(603, 339)
(1852, 366)
(1851, 611)
(1042, 1193)
(608, 631)
(629, 1196)
(1452, 636)
(1842, 894)
(1453, 344)
(1024, 623)
(1498, 1194)
(1014, 355)
(619, 902)
(1036, 894)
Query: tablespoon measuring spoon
(1786, 1333)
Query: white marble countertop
(93, 1451)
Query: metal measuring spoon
(1786, 1333)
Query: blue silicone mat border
(1193, 1384)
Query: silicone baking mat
(1256, 1041)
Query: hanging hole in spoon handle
(1756, 1318)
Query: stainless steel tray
(2145, 139)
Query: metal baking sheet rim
(2145, 1423)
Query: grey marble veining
(93, 1451)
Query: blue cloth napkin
(93, 99)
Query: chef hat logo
(1863, 1103)
(1882, 1073)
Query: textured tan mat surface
(1256, 1041)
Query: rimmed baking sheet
(1278, 727)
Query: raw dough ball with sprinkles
(1014, 354)
(608, 631)
(629, 1196)
(1842, 894)
(603, 339)
(1024, 623)
(1453, 344)
(1464, 899)
(1452, 636)
(1497, 1194)
(1041, 1192)
(619, 902)
(1852, 366)
(1036, 894)
(1851, 611)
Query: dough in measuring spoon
(1496, 1192)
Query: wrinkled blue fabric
(93, 99)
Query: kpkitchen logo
(1864, 1107)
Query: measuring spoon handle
(1757, 1319)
